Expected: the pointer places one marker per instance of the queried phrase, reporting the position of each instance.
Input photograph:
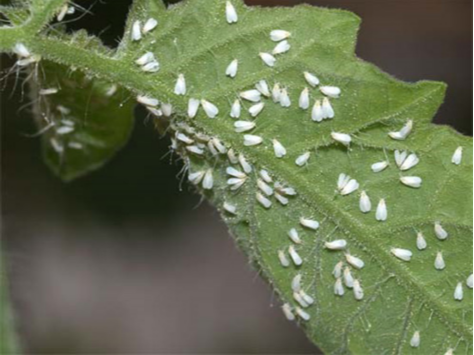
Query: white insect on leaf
(243, 126)
(149, 25)
(338, 288)
(235, 109)
(294, 236)
(403, 133)
(439, 261)
(232, 157)
(303, 159)
(348, 279)
(402, 254)
(457, 156)
(235, 183)
(309, 223)
(194, 149)
(337, 271)
(279, 35)
(421, 241)
(145, 59)
(354, 261)
(380, 166)
(311, 79)
(304, 99)
(364, 202)
(193, 106)
(338, 244)
(167, 109)
(287, 311)
(264, 187)
(296, 283)
(409, 162)
(252, 140)
(268, 59)
(263, 88)
(281, 47)
(415, 340)
(381, 212)
(282, 199)
(284, 98)
(244, 164)
(212, 148)
(458, 292)
(440, 232)
(326, 107)
(265, 202)
(346, 185)
(302, 314)
(151, 67)
(400, 157)
(342, 138)
(232, 209)
(358, 291)
(232, 68)
(289, 191)
(255, 110)
(148, 101)
(230, 13)
(317, 114)
(180, 87)
(278, 149)
(235, 173)
(210, 109)
(283, 259)
(411, 181)
(331, 91)
(20, 50)
(251, 95)
(276, 93)
(297, 260)
(307, 298)
(136, 33)
(469, 281)
(196, 177)
(265, 176)
(221, 148)
(184, 138)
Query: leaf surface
(84, 124)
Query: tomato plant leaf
(402, 288)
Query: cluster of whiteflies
(190, 142)
(238, 173)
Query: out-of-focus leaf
(83, 124)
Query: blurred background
(124, 261)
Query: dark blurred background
(122, 261)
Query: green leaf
(84, 124)
(400, 297)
